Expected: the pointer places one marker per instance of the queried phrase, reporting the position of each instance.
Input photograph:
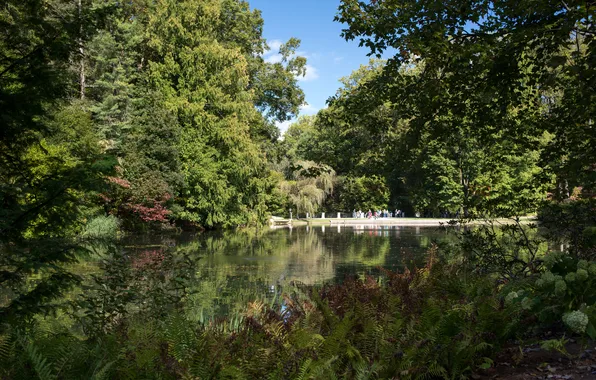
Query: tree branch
(19, 60)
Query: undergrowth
(426, 323)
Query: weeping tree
(308, 185)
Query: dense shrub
(564, 293)
(102, 227)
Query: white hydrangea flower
(576, 321)
(510, 297)
(526, 303)
(570, 277)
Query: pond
(230, 269)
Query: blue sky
(329, 56)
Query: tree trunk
(465, 184)
(81, 53)
(563, 189)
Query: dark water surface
(235, 268)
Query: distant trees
(514, 78)
(484, 109)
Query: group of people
(378, 214)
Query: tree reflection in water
(217, 274)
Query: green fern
(181, 340)
(43, 368)
(232, 372)
(103, 372)
(6, 348)
(200, 369)
(62, 356)
(363, 371)
(325, 369)
(336, 343)
(304, 370)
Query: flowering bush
(564, 292)
(576, 321)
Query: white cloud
(275, 58)
(283, 126)
(274, 45)
(308, 109)
(301, 53)
(338, 59)
(311, 74)
(272, 55)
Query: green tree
(364, 193)
(503, 63)
(206, 84)
(49, 161)
(438, 121)
(178, 104)
(308, 185)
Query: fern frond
(232, 372)
(304, 369)
(199, 369)
(181, 340)
(103, 372)
(6, 348)
(42, 367)
(325, 370)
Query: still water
(234, 268)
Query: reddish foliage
(408, 286)
(148, 259)
(124, 200)
(157, 213)
(343, 297)
(119, 181)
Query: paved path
(378, 221)
(395, 221)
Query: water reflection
(222, 272)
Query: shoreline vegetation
(152, 116)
